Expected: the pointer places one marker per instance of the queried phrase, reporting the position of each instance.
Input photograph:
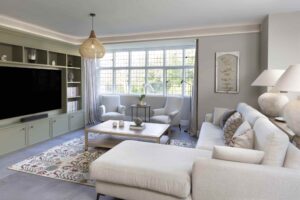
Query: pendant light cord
(92, 15)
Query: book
(135, 127)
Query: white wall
(249, 47)
(283, 40)
(281, 43)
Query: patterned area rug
(68, 161)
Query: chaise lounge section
(137, 170)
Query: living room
(170, 100)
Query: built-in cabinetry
(19, 135)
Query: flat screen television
(27, 91)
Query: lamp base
(292, 116)
(272, 104)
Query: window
(174, 78)
(106, 81)
(159, 71)
(137, 81)
(155, 81)
(138, 58)
(121, 81)
(122, 59)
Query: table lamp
(290, 82)
(270, 103)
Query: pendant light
(92, 47)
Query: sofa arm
(216, 179)
(209, 117)
(102, 109)
(158, 111)
(121, 109)
(173, 114)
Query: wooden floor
(22, 186)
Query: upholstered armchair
(170, 114)
(111, 108)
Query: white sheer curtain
(194, 103)
(90, 96)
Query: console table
(284, 127)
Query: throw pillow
(244, 140)
(238, 155)
(292, 158)
(225, 117)
(231, 125)
(218, 113)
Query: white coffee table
(112, 136)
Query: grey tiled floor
(21, 186)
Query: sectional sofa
(146, 171)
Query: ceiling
(125, 17)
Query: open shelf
(74, 62)
(10, 52)
(58, 59)
(35, 56)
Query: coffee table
(152, 132)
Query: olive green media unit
(15, 135)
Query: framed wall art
(227, 72)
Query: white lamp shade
(290, 80)
(268, 78)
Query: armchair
(111, 109)
(170, 114)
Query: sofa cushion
(244, 140)
(218, 114)
(113, 116)
(162, 168)
(231, 125)
(210, 135)
(271, 140)
(161, 119)
(292, 158)
(238, 155)
(225, 116)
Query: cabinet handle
(72, 117)
(54, 121)
(23, 129)
(31, 126)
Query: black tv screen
(27, 91)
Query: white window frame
(146, 67)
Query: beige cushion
(218, 114)
(231, 125)
(243, 137)
(272, 141)
(245, 140)
(292, 158)
(210, 135)
(161, 119)
(238, 155)
(161, 168)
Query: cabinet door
(76, 121)
(59, 125)
(12, 139)
(38, 131)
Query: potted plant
(142, 100)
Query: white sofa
(137, 170)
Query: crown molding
(23, 27)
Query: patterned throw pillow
(225, 117)
(231, 125)
(244, 140)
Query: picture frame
(227, 72)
